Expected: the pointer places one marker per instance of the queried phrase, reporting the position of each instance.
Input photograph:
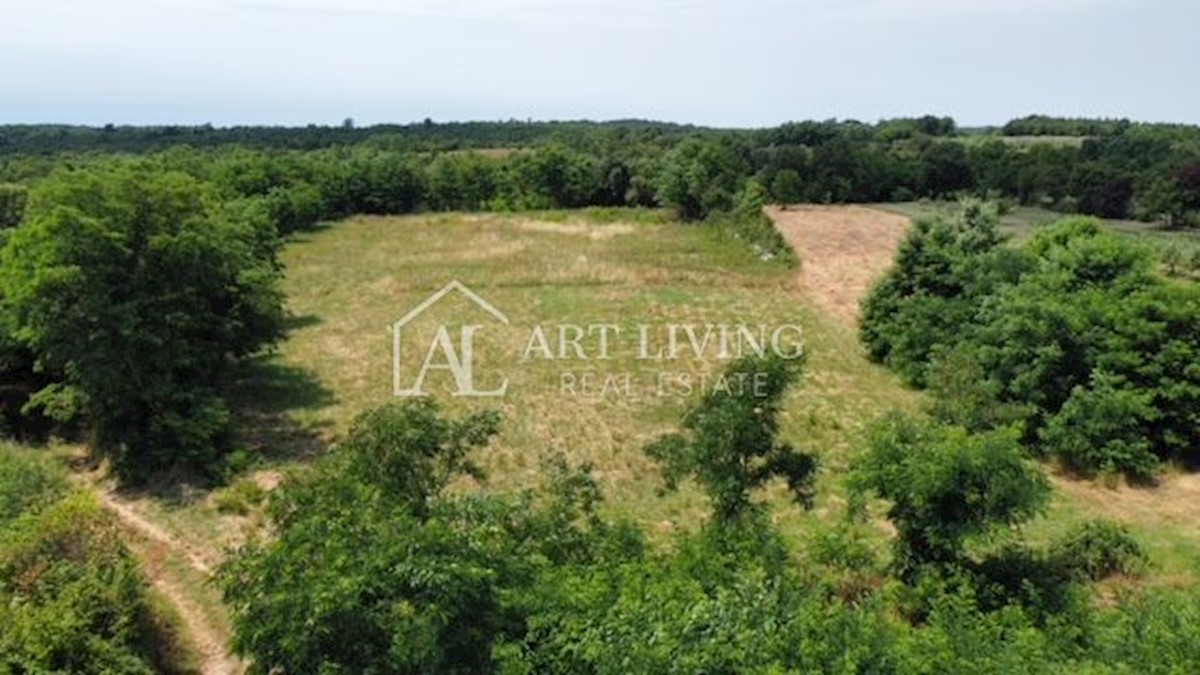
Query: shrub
(924, 303)
(71, 596)
(1098, 549)
(945, 485)
(241, 498)
(1102, 428)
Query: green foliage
(700, 176)
(26, 484)
(357, 580)
(1072, 339)
(296, 206)
(945, 485)
(13, 199)
(946, 169)
(376, 568)
(943, 268)
(788, 187)
(749, 223)
(1099, 549)
(411, 453)
(137, 289)
(71, 597)
(241, 497)
(729, 440)
(1102, 428)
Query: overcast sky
(718, 62)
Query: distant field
(1023, 221)
(1069, 141)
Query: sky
(748, 63)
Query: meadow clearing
(348, 283)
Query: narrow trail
(155, 548)
(135, 521)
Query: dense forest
(140, 270)
(1113, 169)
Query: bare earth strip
(154, 548)
(842, 250)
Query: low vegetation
(72, 598)
(416, 578)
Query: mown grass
(586, 268)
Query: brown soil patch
(842, 250)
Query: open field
(1023, 221)
(553, 270)
(346, 284)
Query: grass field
(1023, 221)
(348, 283)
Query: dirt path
(135, 521)
(842, 250)
(155, 549)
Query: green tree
(788, 187)
(946, 169)
(729, 442)
(13, 199)
(141, 291)
(945, 485)
(700, 176)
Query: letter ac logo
(458, 358)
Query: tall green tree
(729, 443)
(141, 290)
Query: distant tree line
(1119, 170)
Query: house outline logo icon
(457, 358)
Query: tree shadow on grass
(264, 396)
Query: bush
(945, 485)
(27, 483)
(1074, 340)
(71, 597)
(943, 268)
(1099, 549)
(1103, 427)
